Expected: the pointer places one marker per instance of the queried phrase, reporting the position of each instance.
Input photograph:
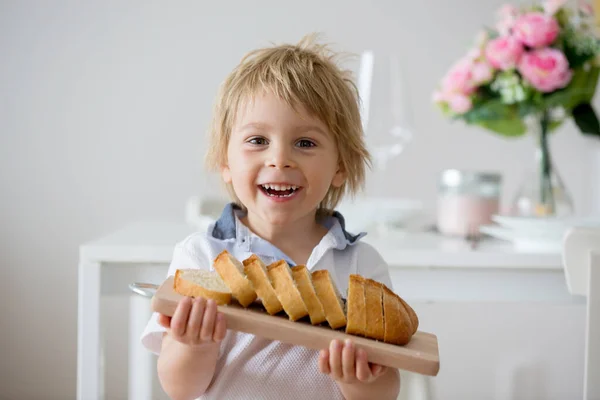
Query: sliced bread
(397, 326)
(256, 272)
(288, 294)
(356, 310)
(307, 291)
(231, 271)
(330, 298)
(201, 283)
(374, 310)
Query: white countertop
(153, 241)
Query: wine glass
(385, 110)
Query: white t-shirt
(250, 367)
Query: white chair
(581, 259)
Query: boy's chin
(282, 217)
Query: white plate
(550, 242)
(534, 225)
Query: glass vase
(542, 192)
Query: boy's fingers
(376, 369)
(348, 361)
(164, 321)
(363, 372)
(208, 323)
(220, 328)
(195, 320)
(335, 359)
(180, 317)
(324, 362)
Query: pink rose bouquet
(541, 61)
(537, 67)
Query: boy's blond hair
(303, 74)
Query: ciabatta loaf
(288, 294)
(330, 297)
(307, 291)
(231, 271)
(201, 283)
(256, 271)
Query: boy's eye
(305, 143)
(258, 141)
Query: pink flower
(536, 29)
(438, 97)
(481, 72)
(459, 78)
(552, 6)
(545, 69)
(504, 52)
(586, 7)
(507, 15)
(507, 11)
(459, 103)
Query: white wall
(102, 110)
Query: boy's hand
(195, 322)
(344, 364)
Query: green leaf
(580, 90)
(586, 119)
(497, 117)
(487, 110)
(509, 127)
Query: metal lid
(458, 178)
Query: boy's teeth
(279, 187)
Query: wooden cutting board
(420, 355)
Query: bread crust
(233, 276)
(256, 272)
(374, 310)
(288, 294)
(412, 314)
(397, 326)
(192, 289)
(329, 296)
(307, 291)
(356, 310)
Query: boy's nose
(279, 157)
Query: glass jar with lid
(466, 200)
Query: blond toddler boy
(287, 140)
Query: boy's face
(280, 162)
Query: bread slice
(201, 283)
(256, 272)
(288, 294)
(397, 326)
(330, 297)
(374, 310)
(412, 314)
(232, 272)
(356, 306)
(307, 291)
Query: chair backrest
(581, 259)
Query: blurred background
(103, 110)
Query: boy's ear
(339, 178)
(226, 174)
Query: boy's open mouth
(275, 190)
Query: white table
(452, 269)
